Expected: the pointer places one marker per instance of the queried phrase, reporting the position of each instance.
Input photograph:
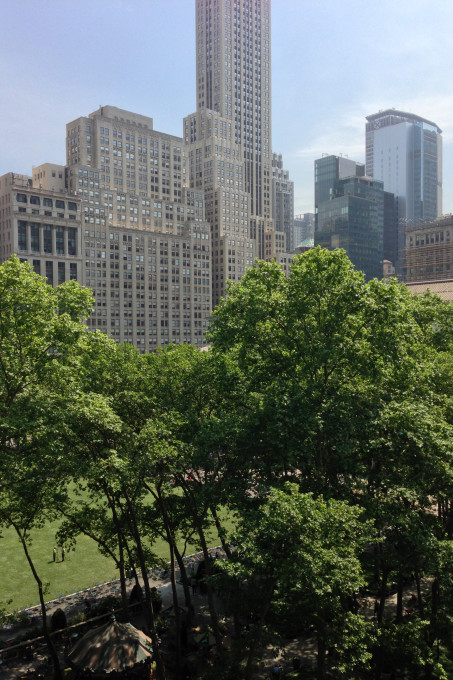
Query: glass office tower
(405, 152)
(349, 213)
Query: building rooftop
(404, 115)
(442, 288)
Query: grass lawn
(82, 568)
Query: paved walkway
(300, 647)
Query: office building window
(22, 235)
(49, 272)
(60, 240)
(61, 272)
(34, 238)
(47, 239)
(72, 241)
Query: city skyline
(327, 74)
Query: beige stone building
(215, 166)
(146, 244)
(119, 220)
(428, 255)
(157, 224)
(442, 288)
(283, 201)
(49, 176)
(42, 226)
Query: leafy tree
(315, 346)
(351, 387)
(102, 419)
(40, 332)
(303, 553)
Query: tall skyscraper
(161, 223)
(234, 78)
(405, 152)
(229, 137)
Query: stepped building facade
(153, 223)
(118, 219)
(229, 137)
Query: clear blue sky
(334, 62)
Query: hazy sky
(333, 63)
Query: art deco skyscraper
(234, 79)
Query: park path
(302, 647)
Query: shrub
(58, 620)
(104, 606)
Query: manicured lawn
(82, 568)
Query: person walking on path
(55, 553)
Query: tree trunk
(376, 562)
(399, 599)
(149, 611)
(199, 527)
(171, 543)
(212, 610)
(118, 562)
(419, 595)
(434, 609)
(52, 651)
(449, 520)
(383, 597)
(122, 545)
(121, 566)
(175, 609)
(256, 638)
(184, 579)
(321, 671)
(221, 532)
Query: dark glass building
(393, 233)
(350, 214)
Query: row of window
(46, 202)
(47, 269)
(427, 239)
(36, 238)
